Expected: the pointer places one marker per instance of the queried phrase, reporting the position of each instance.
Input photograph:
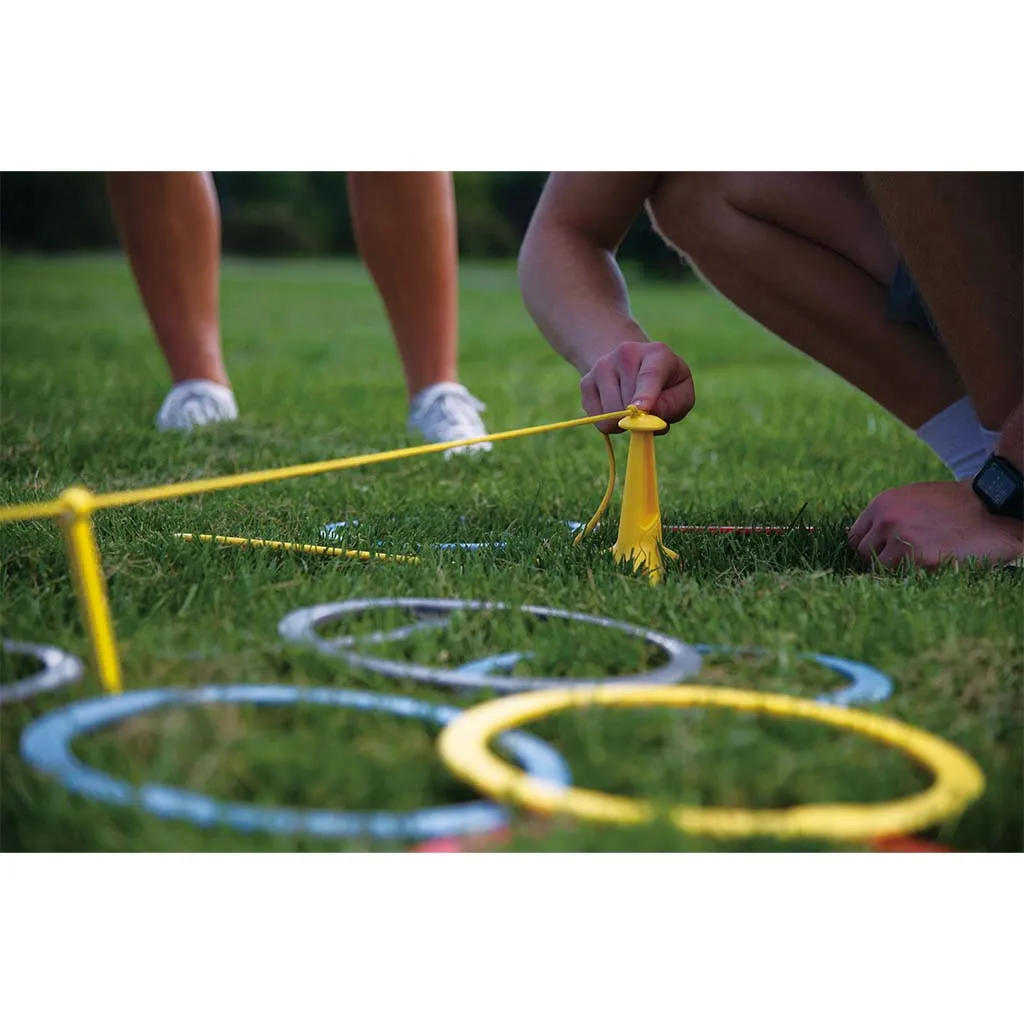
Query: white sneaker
(196, 403)
(448, 412)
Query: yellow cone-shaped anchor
(639, 540)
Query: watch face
(996, 484)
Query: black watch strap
(1000, 485)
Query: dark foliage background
(299, 213)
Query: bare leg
(962, 236)
(170, 228)
(406, 231)
(806, 256)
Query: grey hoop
(59, 669)
(300, 627)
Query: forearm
(575, 291)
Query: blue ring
(493, 663)
(867, 684)
(46, 746)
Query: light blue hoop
(332, 532)
(46, 746)
(867, 684)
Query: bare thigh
(832, 209)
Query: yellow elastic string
(265, 476)
(603, 507)
(631, 410)
(77, 505)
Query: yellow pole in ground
(639, 541)
(87, 571)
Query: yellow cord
(595, 519)
(603, 507)
(52, 509)
(76, 507)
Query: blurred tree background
(279, 214)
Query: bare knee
(695, 211)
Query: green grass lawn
(316, 377)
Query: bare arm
(571, 284)
(575, 292)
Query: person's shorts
(905, 305)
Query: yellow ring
(958, 779)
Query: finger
(893, 553)
(933, 557)
(610, 399)
(887, 550)
(591, 400)
(589, 396)
(660, 368)
(860, 528)
(675, 402)
(871, 544)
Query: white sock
(958, 438)
(990, 438)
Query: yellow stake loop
(639, 541)
(84, 556)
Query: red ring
(464, 844)
(906, 844)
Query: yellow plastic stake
(639, 541)
(84, 556)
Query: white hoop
(300, 627)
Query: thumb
(650, 382)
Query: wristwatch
(1000, 486)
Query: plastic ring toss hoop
(866, 684)
(958, 780)
(46, 746)
(59, 669)
(301, 626)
